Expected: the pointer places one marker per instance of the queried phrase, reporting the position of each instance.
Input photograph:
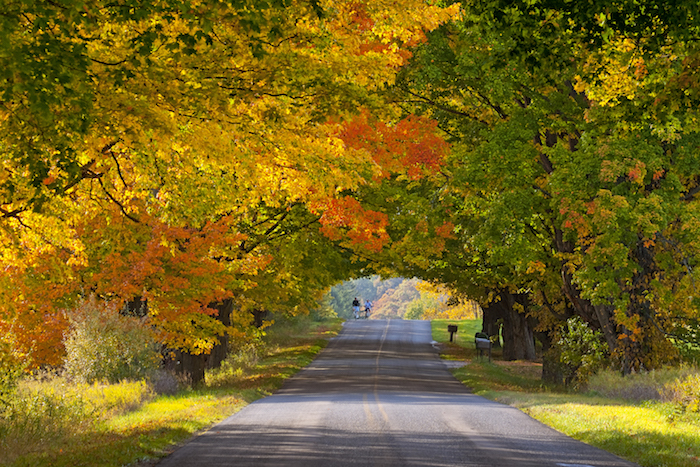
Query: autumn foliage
(412, 145)
(182, 155)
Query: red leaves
(361, 18)
(345, 217)
(446, 230)
(411, 146)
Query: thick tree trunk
(551, 369)
(518, 338)
(492, 322)
(221, 350)
(605, 320)
(259, 316)
(194, 366)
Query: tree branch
(115, 201)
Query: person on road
(356, 308)
(368, 308)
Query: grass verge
(89, 435)
(649, 433)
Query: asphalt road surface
(378, 395)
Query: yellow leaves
(184, 147)
(618, 71)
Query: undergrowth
(649, 418)
(51, 420)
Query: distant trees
(401, 298)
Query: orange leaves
(411, 146)
(573, 219)
(345, 217)
(446, 230)
(360, 18)
(636, 173)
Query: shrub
(647, 385)
(47, 410)
(167, 382)
(11, 369)
(684, 391)
(104, 345)
(234, 367)
(582, 352)
(34, 420)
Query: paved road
(378, 395)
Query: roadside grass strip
(126, 424)
(649, 433)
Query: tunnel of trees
(220, 160)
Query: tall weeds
(50, 411)
(648, 385)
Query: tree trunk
(259, 316)
(221, 350)
(195, 365)
(551, 368)
(492, 322)
(518, 338)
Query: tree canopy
(574, 164)
(540, 157)
(184, 153)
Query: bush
(47, 411)
(11, 369)
(582, 352)
(234, 367)
(104, 345)
(167, 382)
(636, 386)
(684, 391)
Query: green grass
(649, 433)
(114, 425)
(462, 346)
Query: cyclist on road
(356, 308)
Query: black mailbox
(452, 329)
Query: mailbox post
(452, 329)
(482, 343)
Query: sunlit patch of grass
(649, 433)
(484, 378)
(48, 413)
(463, 338)
(126, 424)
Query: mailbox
(452, 329)
(482, 343)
